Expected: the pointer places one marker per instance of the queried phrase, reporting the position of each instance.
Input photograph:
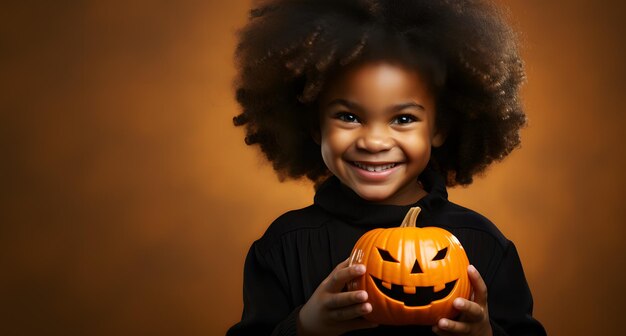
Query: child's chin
(374, 195)
(386, 194)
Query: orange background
(129, 200)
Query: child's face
(377, 123)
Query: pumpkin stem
(411, 217)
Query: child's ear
(439, 138)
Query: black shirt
(300, 249)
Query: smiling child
(382, 104)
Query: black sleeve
(509, 299)
(266, 302)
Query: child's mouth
(374, 167)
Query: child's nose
(374, 139)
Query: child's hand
(332, 312)
(474, 319)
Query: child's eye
(404, 119)
(347, 117)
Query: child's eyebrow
(356, 106)
(344, 102)
(401, 107)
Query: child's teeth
(372, 168)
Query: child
(381, 104)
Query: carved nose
(416, 268)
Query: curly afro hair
(290, 48)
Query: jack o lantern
(413, 274)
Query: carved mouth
(421, 297)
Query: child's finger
(472, 312)
(440, 332)
(454, 327)
(350, 312)
(340, 300)
(338, 278)
(478, 285)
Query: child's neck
(409, 195)
(414, 193)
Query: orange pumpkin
(413, 274)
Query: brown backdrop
(129, 200)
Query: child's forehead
(381, 74)
(374, 71)
(377, 86)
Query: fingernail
(366, 308)
(458, 303)
(443, 323)
(361, 296)
(471, 268)
(360, 269)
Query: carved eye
(386, 256)
(441, 254)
